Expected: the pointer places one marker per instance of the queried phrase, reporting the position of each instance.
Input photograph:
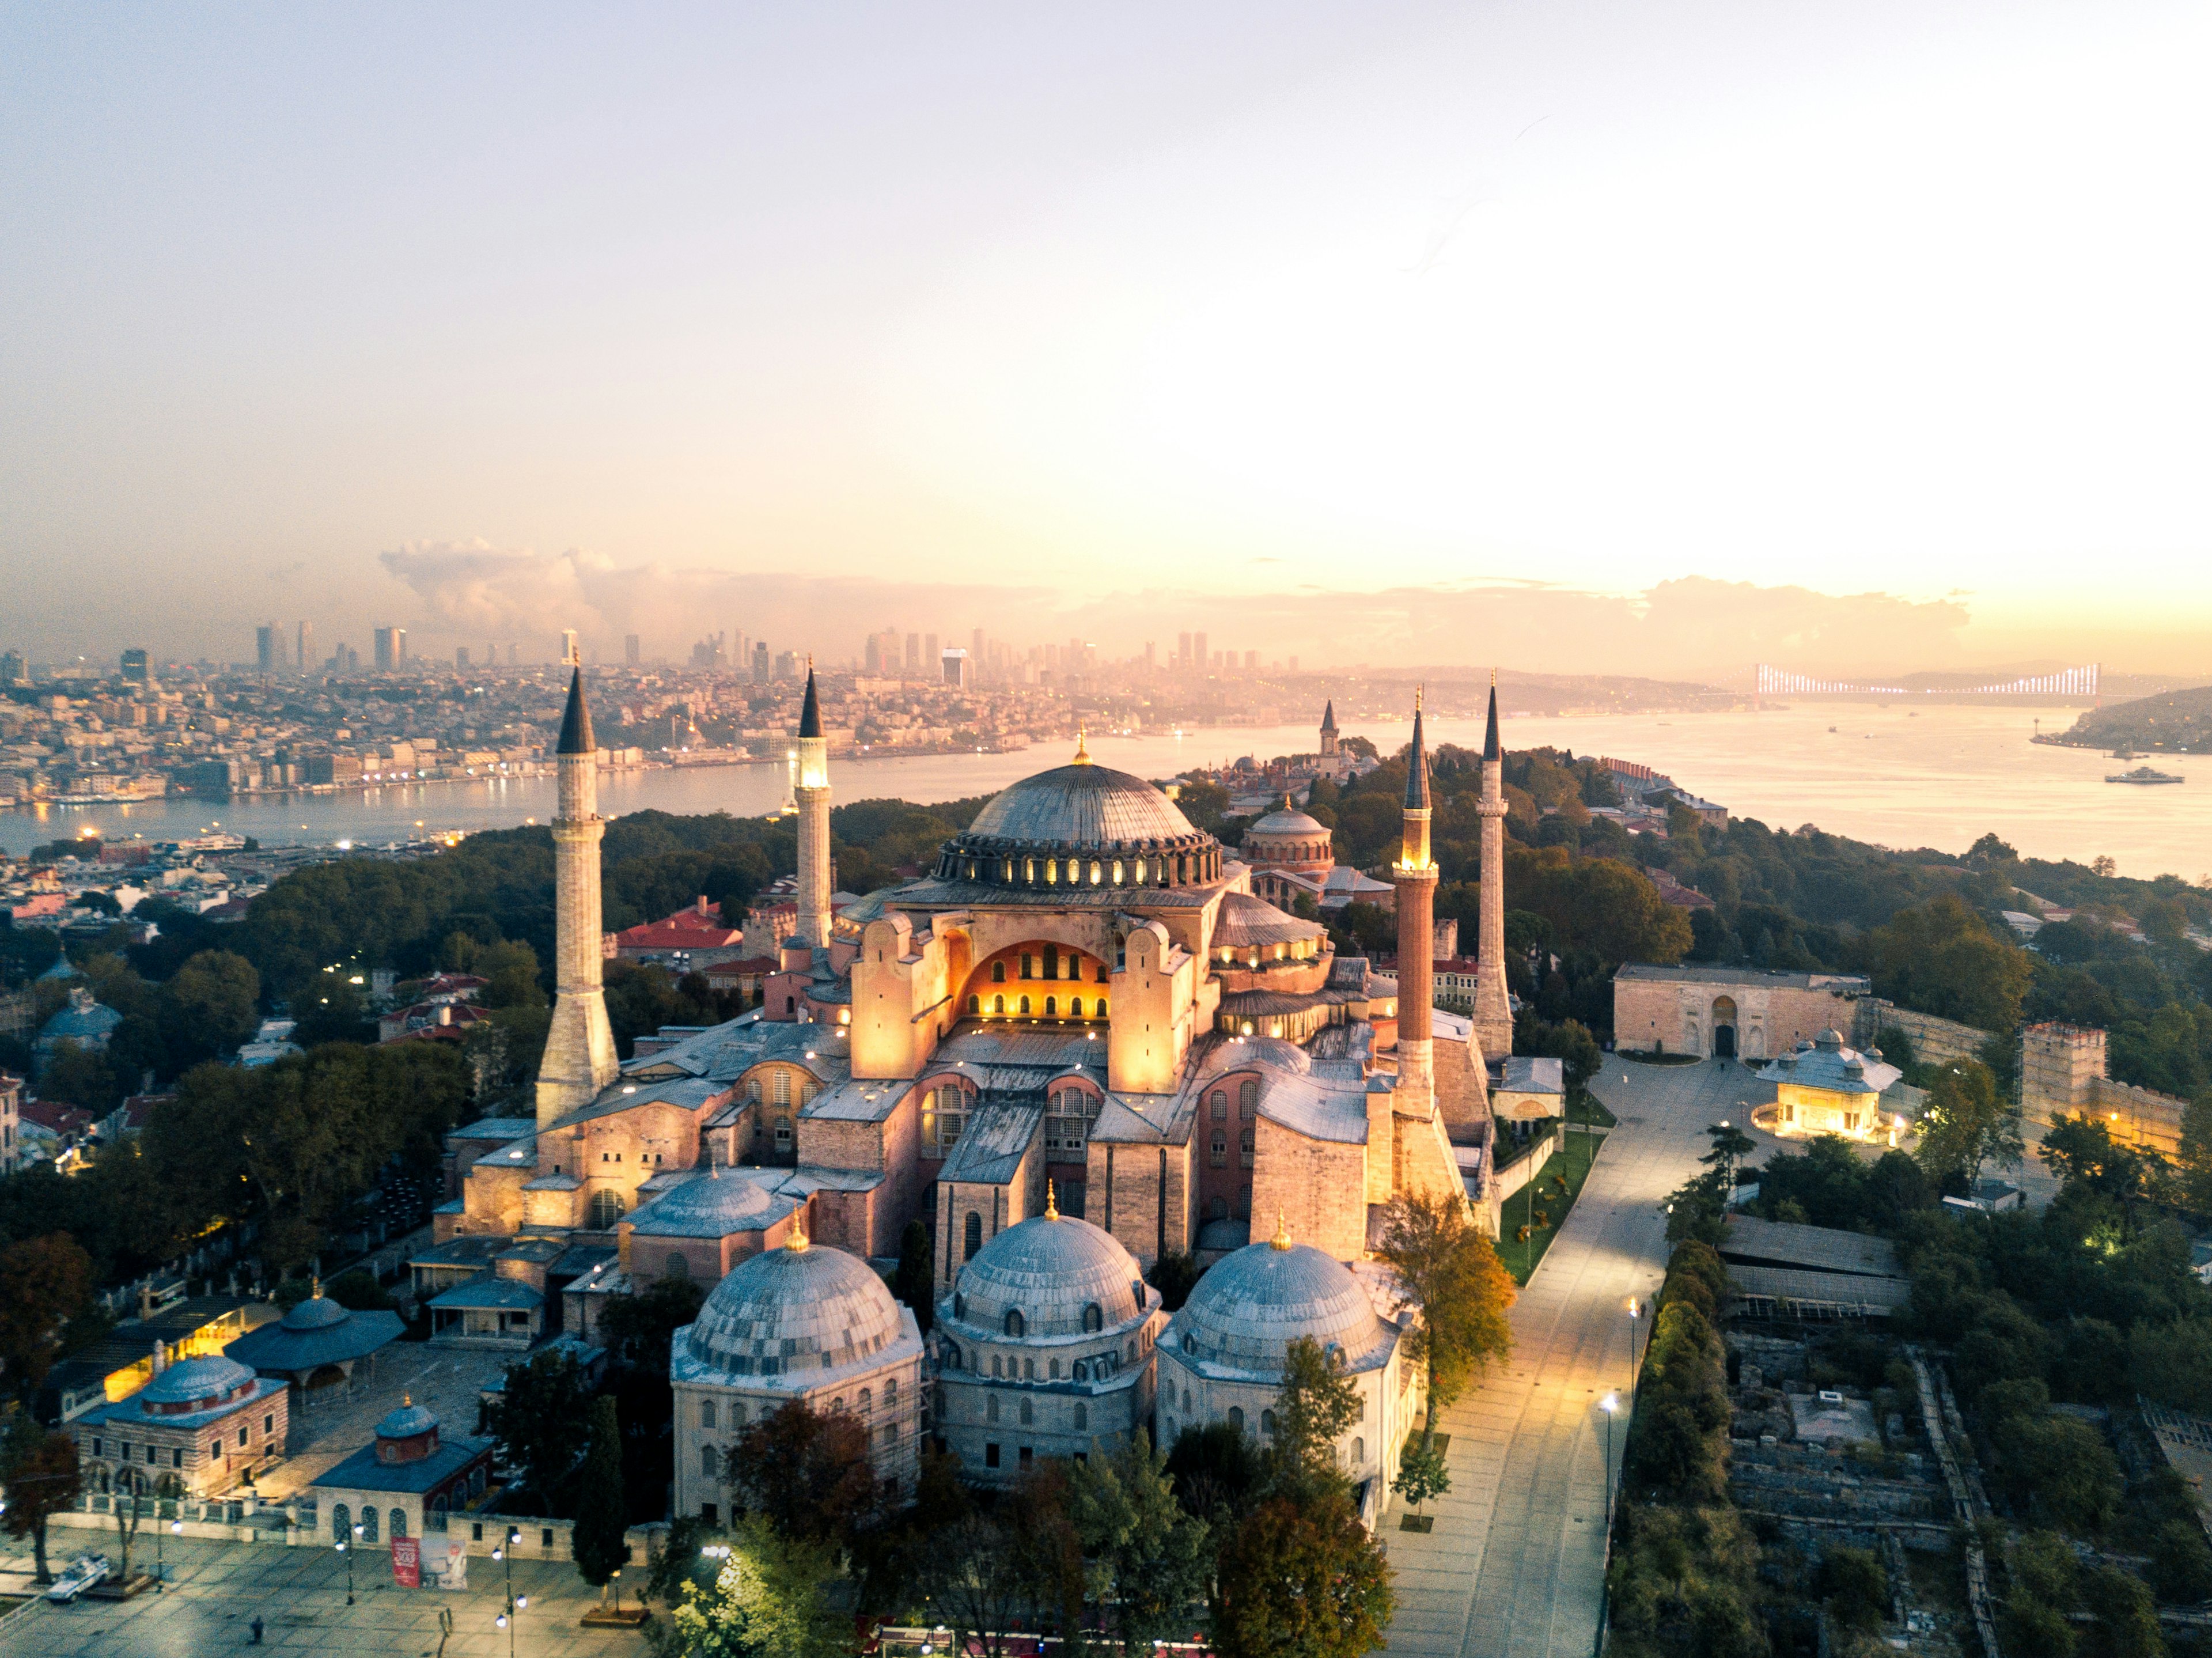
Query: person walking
(255, 1627)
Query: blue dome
(405, 1423)
(1082, 805)
(1049, 1269)
(807, 1309)
(196, 1380)
(1247, 1310)
(315, 1314)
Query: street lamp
(162, 1570)
(504, 1552)
(1610, 1404)
(345, 1549)
(1635, 1318)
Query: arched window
(971, 1236)
(1267, 1422)
(1055, 1375)
(867, 1401)
(1082, 1418)
(710, 1463)
(998, 1368)
(998, 973)
(1052, 962)
(1236, 1418)
(1094, 1317)
(1026, 1004)
(780, 1081)
(342, 1523)
(975, 1004)
(1016, 1327)
(399, 1522)
(1247, 1098)
(1029, 1411)
(1219, 1106)
(1358, 1454)
(707, 1414)
(1098, 1009)
(1075, 1007)
(1218, 1208)
(1190, 1345)
(1097, 872)
(1220, 1156)
(1051, 1006)
(606, 1210)
(998, 1004)
(736, 1413)
(678, 1267)
(1185, 1402)
(1244, 1148)
(368, 1524)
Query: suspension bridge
(2062, 686)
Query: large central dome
(1082, 805)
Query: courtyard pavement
(447, 1380)
(1515, 1565)
(216, 1588)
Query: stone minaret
(1493, 1011)
(812, 792)
(1329, 749)
(580, 1047)
(1415, 876)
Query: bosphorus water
(1937, 776)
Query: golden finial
(798, 1241)
(1051, 1202)
(1282, 1239)
(317, 1290)
(1417, 688)
(1494, 679)
(407, 1400)
(1082, 749)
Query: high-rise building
(11, 668)
(761, 671)
(975, 659)
(1151, 658)
(267, 652)
(786, 665)
(134, 669)
(571, 653)
(954, 665)
(303, 636)
(630, 649)
(514, 656)
(391, 647)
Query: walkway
(1515, 1564)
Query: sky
(1854, 336)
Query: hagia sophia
(1079, 1043)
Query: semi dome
(1081, 805)
(1052, 1271)
(196, 1380)
(1245, 922)
(795, 1311)
(1248, 1309)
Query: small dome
(1051, 1271)
(408, 1420)
(196, 1380)
(1287, 820)
(315, 1312)
(1081, 805)
(1245, 1312)
(786, 1311)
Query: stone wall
(1318, 1187)
(2063, 1073)
(1935, 1041)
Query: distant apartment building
(571, 648)
(391, 647)
(268, 652)
(461, 658)
(762, 673)
(303, 658)
(954, 663)
(136, 669)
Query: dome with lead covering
(799, 1312)
(1062, 1276)
(1248, 1309)
(315, 1312)
(196, 1381)
(1083, 806)
(406, 1422)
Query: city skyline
(399, 324)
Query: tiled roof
(363, 1472)
(991, 1143)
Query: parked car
(83, 1572)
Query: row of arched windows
(1003, 1007)
(342, 1524)
(1165, 870)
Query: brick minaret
(579, 1045)
(812, 792)
(1415, 876)
(1493, 1011)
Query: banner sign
(407, 1562)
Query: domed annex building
(1222, 1357)
(1085, 989)
(1043, 1347)
(802, 1322)
(404, 1482)
(200, 1422)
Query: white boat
(83, 1572)
(2143, 774)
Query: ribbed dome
(315, 1312)
(195, 1380)
(1248, 1309)
(1050, 1271)
(1287, 820)
(406, 1422)
(1081, 805)
(794, 1310)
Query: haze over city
(1860, 337)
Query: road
(1515, 1564)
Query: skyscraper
(134, 669)
(1182, 653)
(761, 673)
(461, 658)
(955, 664)
(266, 651)
(391, 647)
(929, 652)
(304, 636)
(571, 653)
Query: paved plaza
(448, 1381)
(1515, 1565)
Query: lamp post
(344, 1547)
(505, 1553)
(1634, 1319)
(1609, 1404)
(161, 1569)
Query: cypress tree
(600, 1546)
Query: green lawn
(1590, 1110)
(1541, 1197)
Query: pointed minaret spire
(1493, 1008)
(1417, 763)
(1491, 750)
(811, 794)
(809, 715)
(576, 721)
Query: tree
(209, 1006)
(1964, 1125)
(1421, 1473)
(602, 1515)
(39, 1468)
(1730, 1146)
(79, 1076)
(773, 1595)
(805, 1470)
(1301, 1580)
(1943, 958)
(128, 1506)
(2082, 1151)
(2126, 1620)
(510, 972)
(49, 1283)
(1856, 1587)
(641, 1327)
(1216, 1470)
(1152, 1558)
(976, 1584)
(1452, 1272)
(916, 1274)
(1315, 1407)
(1175, 1275)
(541, 1422)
